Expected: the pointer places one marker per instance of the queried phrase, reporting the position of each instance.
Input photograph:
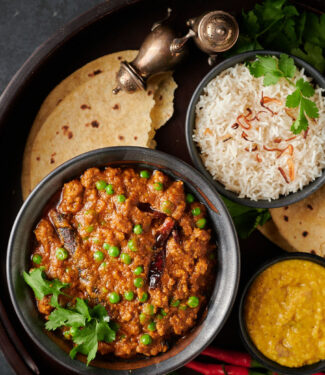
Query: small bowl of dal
(238, 133)
(282, 314)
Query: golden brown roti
(302, 224)
(82, 114)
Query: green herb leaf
(63, 317)
(251, 25)
(43, 287)
(94, 322)
(305, 87)
(287, 66)
(313, 55)
(279, 26)
(309, 108)
(293, 100)
(271, 78)
(315, 29)
(300, 124)
(96, 330)
(246, 219)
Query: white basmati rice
(233, 161)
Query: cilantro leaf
(64, 317)
(310, 108)
(278, 25)
(300, 124)
(266, 66)
(315, 29)
(251, 24)
(83, 309)
(43, 287)
(246, 219)
(87, 342)
(305, 87)
(271, 78)
(93, 321)
(287, 66)
(97, 330)
(313, 55)
(293, 100)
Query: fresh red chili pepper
(230, 356)
(209, 369)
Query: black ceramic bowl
(195, 152)
(268, 363)
(226, 282)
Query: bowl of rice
(238, 134)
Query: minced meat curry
(134, 242)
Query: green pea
(159, 316)
(193, 302)
(158, 186)
(61, 253)
(129, 295)
(106, 246)
(144, 174)
(101, 185)
(175, 303)
(196, 211)
(138, 282)
(125, 258)
(109, 189)
(90, 229)
(37, 259)
(149, 309)
(142, 318)
(132, 245)
(98, 256)
(145, 339)
(121, 198)
(182, 307)
(103, 265)
(114, 251)
(201, 223)
(115, 326)
(163, 312)
(189, 198)
(152, 326)
(138, 271)
(167, 207)
(137, 229)
(114, 297)
(144, 297)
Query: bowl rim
(179, 359)
(195, 153)
(246, 339)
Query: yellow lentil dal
(285, 312)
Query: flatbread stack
(82, 114)
(300, 226)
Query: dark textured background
(24, 25)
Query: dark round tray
(112, 26)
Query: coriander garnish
(90, 325)
(272, 69)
